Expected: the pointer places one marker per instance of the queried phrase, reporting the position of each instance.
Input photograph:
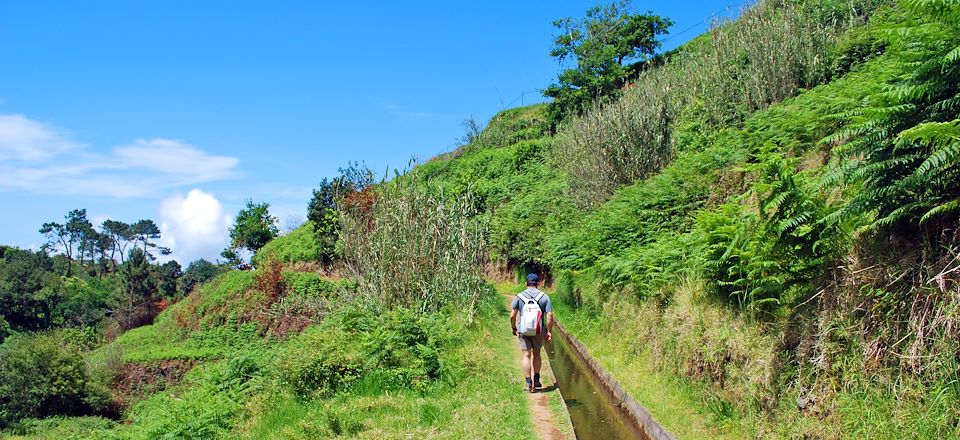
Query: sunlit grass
(484, 401)
(674, 402)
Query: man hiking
(531, 317)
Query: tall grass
(409, 246)
(769, 53)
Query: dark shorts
(531, 342)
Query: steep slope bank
(789, 271)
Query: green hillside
(757, 237)
(272, 354)
(768, 260)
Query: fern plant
(770, 257)
(902, 147)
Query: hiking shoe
(536, 382)
(529, 385)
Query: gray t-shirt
(544, 303)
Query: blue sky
(178, 111)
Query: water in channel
(594, 413)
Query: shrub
(356, 347)
(82, 302)
(40, 376)
(197, 273)
(301, 245)
(512, 126)
(406, 347)
(308, 285)
(769, 258)
(528, 152)
(209, 407)
(323, 362)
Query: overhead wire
(712, 15)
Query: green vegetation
(253, 228)
(757, 238)
(770, 53)
(34, 296)
(43, 376)
(297, 246)
(608, 47)
(197, 273)
(409, 248)
(359, 372)
(770, 239)
(76, 280)
(474, 390)
(135, 301)
(506, 173)
(902, 145)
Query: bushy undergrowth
(297, 246)
(36, 296)
(902, 143)
(394, 375)
(398, 350)
(355, 353)
(45, 375)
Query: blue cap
(532, 278)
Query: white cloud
(194, 226)
(24, 139)
(36, 157)
(175, 158)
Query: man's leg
(536, 367)
(527, 357)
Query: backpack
(530, 315)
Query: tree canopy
(606, 48)
(197, 272)
(138, 287)
(252, 229)
(323, 210)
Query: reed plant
(771, 52)
(407, 245)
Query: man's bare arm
(513, 320)
(549, 325)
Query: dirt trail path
(542, 417)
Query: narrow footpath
(548, 412)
